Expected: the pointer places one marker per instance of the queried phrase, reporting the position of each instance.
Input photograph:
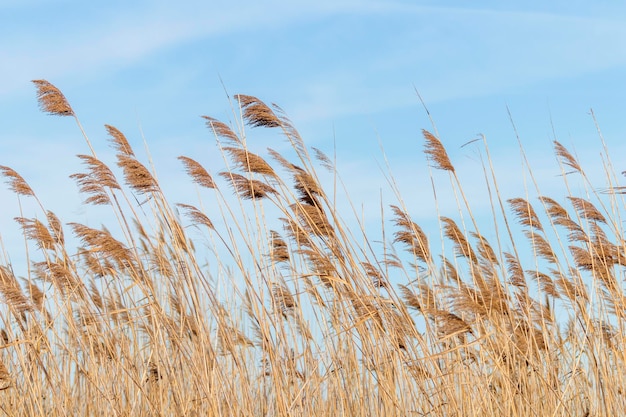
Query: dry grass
(279, 310)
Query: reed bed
(278, 307)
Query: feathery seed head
(51, 99)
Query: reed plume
(436, 153)
(17, 184)
(137, 175)
(197, 172)
(256, 113)
(222, 130)
(246, 188)
(51, 99)
(285, 307)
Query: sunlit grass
(278, 307)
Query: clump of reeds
(280, 310)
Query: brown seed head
(566, 157)
(250, 162)
(16, 183)
(436, 152)
(119, 141)
(196, 216)
(221, 130)
(197, 172)
(51, 99)
(137, 176)
(586, 209)
(526, 214)
(248, 189)
(256, 113)
(36, 231)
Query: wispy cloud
(119, 37)
(446, 52)
(328, 61)
(460, 53)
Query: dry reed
(251, 319)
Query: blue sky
(344, 71)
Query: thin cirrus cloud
(449, 52)
(115, 38)
(460, 53)
(327, 61)
(319, 62)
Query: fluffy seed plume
(279, 250)
(555, 210)
(485, 251)
(56, 228)
(304, 183)
(250, 162)
(528, 339)
(541, 246)
(100, 172)
(313, 219)
(12, 293)
(411, 235)
(57, 273)
(17, 184)
(247, 188)
(221, 130)
(324, 159)
(283, 299)
(101, 241)
(561, 217)
(516, 273)
(97, 194)
(196, 216)
(228, 337)
(282, 160)
(573, 287)
(119, 141)
(449, 324)
(462, 246)
(197, 172)
(450, 271)
(378, 279)
(51, 99)
(365, 309)
(525, 213)
(566, 157)
(306, 186)
(545, 283)
(36, 231)
(37, 298)
(410, 298)
(322, 266)
(436, 152)
(137, 176)
(96, 181)
(95, 263)
(289, 130)
(256, 113)
(586, 209)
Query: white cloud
(448, 53)
(460, 53)
(132, 34)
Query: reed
(275, 307)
